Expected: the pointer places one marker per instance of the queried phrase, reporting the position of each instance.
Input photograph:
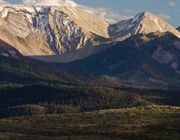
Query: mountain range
(45, 30)
(151, 59)
(66, 73)
(143, 50)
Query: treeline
(58, 98)
(45, 98)
(160, 97)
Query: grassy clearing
(150, 123)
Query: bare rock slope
(44, 30)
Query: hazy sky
(167, 9)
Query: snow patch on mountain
(65, 28)
(142, 23)
(54, 30)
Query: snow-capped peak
(142, 23)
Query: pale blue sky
(169, 9)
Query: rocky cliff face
(50, 30)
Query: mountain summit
(142, 23)
(49, 30)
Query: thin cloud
(3, 2)
(172, 3)
(165, 16)
(50, 2)
(110, 15)
(107, 14)
(129, 11)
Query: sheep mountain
(143, 50)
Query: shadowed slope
(145, 59)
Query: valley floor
(142, 123)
